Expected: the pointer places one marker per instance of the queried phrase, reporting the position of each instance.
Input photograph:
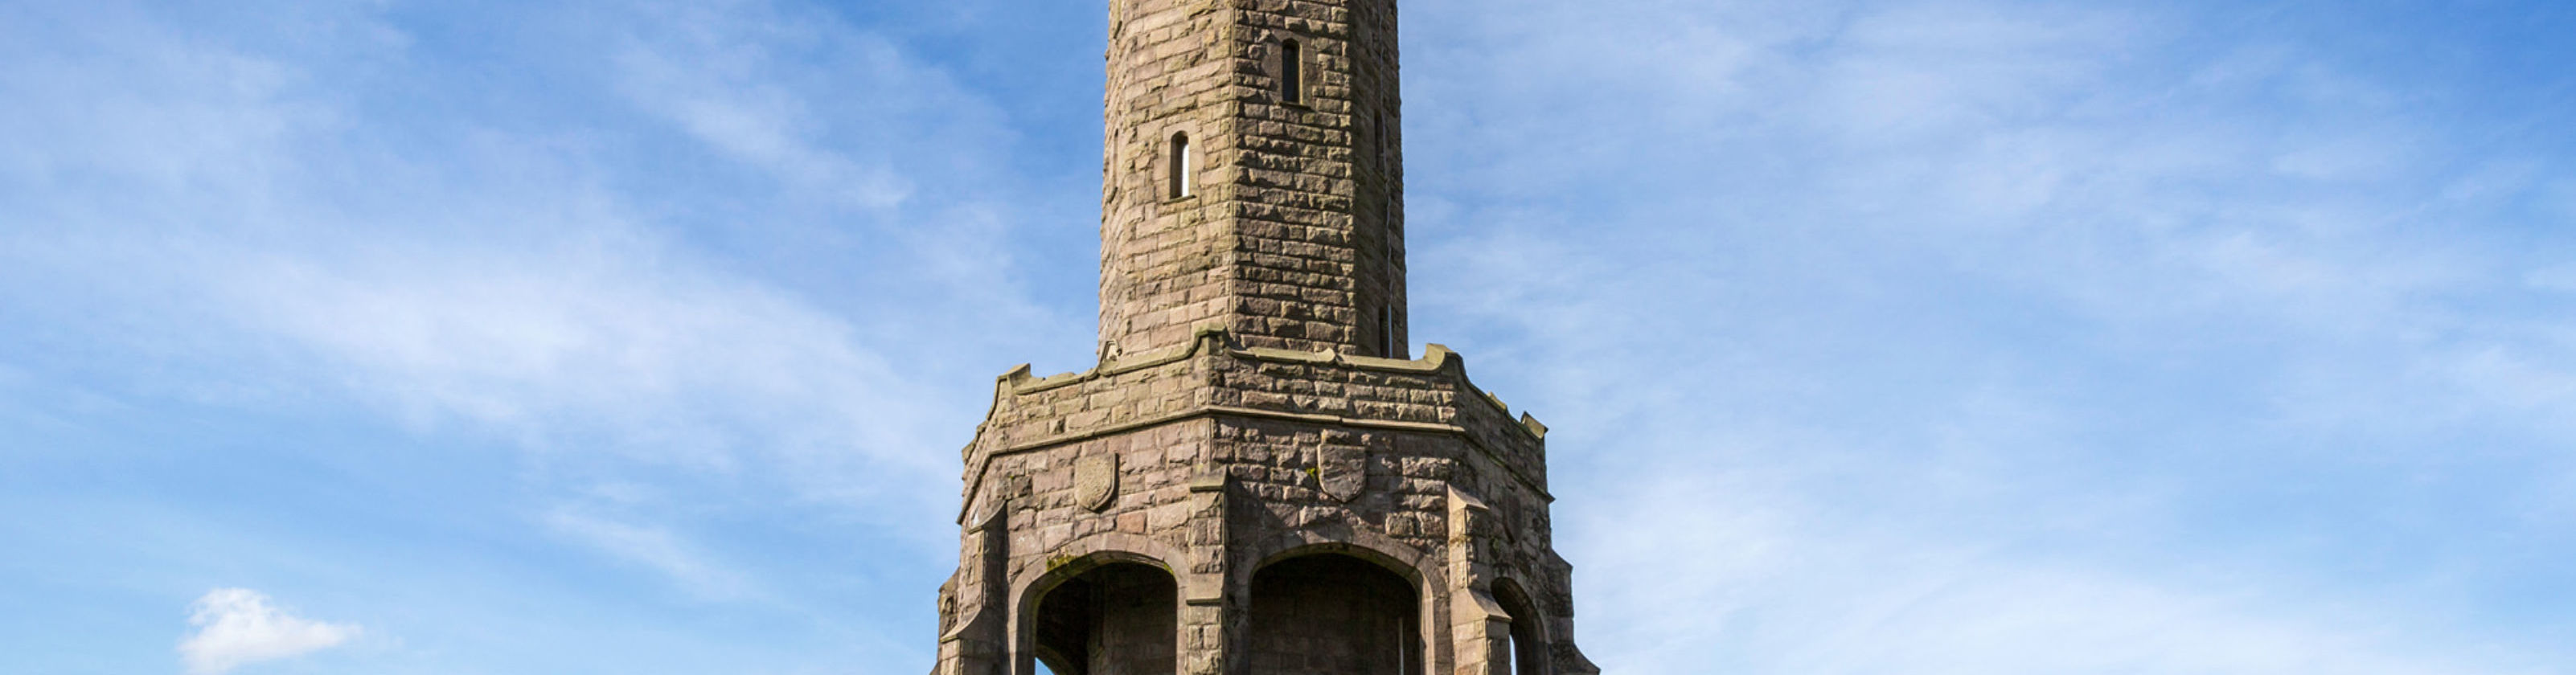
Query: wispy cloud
(1968, 336)
(712, 68)
(1755, 579)
(504, 287)
(238, 627)
(2560, 278)
(656, 548)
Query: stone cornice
(1438, 360)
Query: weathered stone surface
(1257, 478)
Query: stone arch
(1396, 556)
(1531, 645)
(1335, 607)
(1092, 550)
(1109, 604)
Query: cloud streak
(713, 69)
(506, 287)
(655, 548)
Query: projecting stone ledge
(1216, 376)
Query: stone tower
(1257, 479)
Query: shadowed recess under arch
(1333, 613)
(1120, 618)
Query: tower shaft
(1252, 176)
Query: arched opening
(1182, 181)
(1334, 614)
(1119, 619)
(1292, 72)
(1529, 644)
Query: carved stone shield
(1095, 481)
(1343, 471)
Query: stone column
(975, 604)
(1209, 626)
(1479, 627)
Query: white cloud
(238, 627)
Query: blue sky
(1927, 337)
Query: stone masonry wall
(1165, 259)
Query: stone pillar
(1209, 624)
(1480, 627)
(974, 605)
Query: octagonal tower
(1257, 478)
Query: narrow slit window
(1292, 73)
(1181, 169)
